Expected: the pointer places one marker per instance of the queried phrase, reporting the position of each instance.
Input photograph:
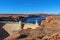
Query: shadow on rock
(23, 36)
(3, 33)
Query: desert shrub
(46, 39)
(33, 38)
(41, 29)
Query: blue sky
(30, 6)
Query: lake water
(33, 20)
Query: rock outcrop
(48, 30)
(22, 34)
(51, 22)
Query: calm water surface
(33, 19)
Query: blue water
(33, 19)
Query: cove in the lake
(33, 19)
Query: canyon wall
(48, 30)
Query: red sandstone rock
(13, 37)
(48, 19)
(49, 25)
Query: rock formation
(48, 30)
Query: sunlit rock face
(52, 26)
(12, 27)
(51, 22)
(18, 35)
(48, 19)
(48, 30)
